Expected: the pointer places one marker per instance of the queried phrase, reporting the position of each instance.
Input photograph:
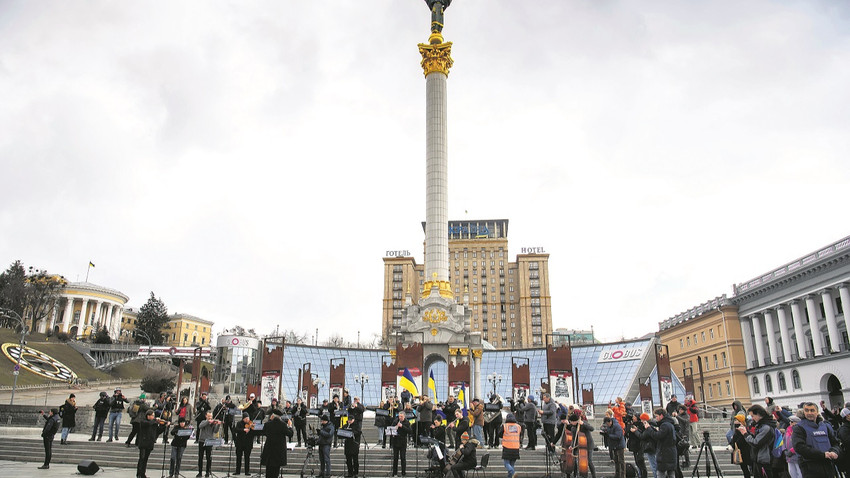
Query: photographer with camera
(634, 443)
(116, 409)
(48, 433)
(664, 436)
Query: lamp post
(495, 379)
(11, 314)
(362, 379)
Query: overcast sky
(250, 162)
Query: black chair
(482, 466)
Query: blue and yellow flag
(461, 397)
(406, 382)
(432, 386)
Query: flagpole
(87, 271)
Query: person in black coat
(178, 447)
(326, 436)
(101, 411)
(68, 412)
(243, 437)
(299, 418)
(666, 455)
(399, 443)
(459, 426)
(221, 412)
(202, 406)
(48, 433)
(438, 431)
(351, 446)
(145, 441)
(276, 432)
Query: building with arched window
(794, 324)
(181, 330)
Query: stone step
(375, 462)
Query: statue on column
(437, 8)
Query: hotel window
(768, 384)
(715, 361)
(781, 380)
(681, 344)
(689, 341)
(756, 389)
(702, 336)
(711, 332)
(723, 357)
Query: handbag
(737, 459)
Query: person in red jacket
(693, 410)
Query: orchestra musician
(399, 442)
(336, 419)
(201, 408)
(326, 436)
(352, 445)
(178, 447)
(243, 435)
(276, 431)
(575, 423)
(464, 458)
(222, 412)
(459, 426)
(299, 417)
(206, 430)
(146, 440)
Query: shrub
(63, 336)
(102, 336)
(158, 382)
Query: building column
(814, 324)
(771, 337)
(69, 315)
(81, 323)
(98, 315)
(477, 361)
(759, 339)
(831, 323)
(116, 331)
(784, 333)
(844, 293)
(747, 336)
(111, 318)
(799, 331)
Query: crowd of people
(767, 441)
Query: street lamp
(147, 337)
(495, 379)
(11, 314)
(362, 379)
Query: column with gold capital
(436, 61)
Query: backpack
(631, 471)
(778, 449)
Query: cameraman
(116, 409)
(635, 444)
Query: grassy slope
(66, 355)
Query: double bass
(575, 453)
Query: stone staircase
(374, 461)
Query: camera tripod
(710, 458)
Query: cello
(575, 454)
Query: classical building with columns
(706, 349)
(82, 307)
(794, 328)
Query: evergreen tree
(31, 294)
(152, 317)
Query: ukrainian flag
(432, 386)
(461, 397)
(406, 382)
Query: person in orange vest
(509, 433)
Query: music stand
(214, 443)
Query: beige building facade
(182, 330)
(706, 342)
(82, 308)
(509, 300)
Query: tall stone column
(772, 346)
(476, 354)
(799, 331)
(831, 323)
(759, 339)
(69, 315)
(98, 313)
(784, 332)
(747, 336)
(81, 324)
(814, 324)
(436, 61)
(844, 293)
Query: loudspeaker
(88, 467)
